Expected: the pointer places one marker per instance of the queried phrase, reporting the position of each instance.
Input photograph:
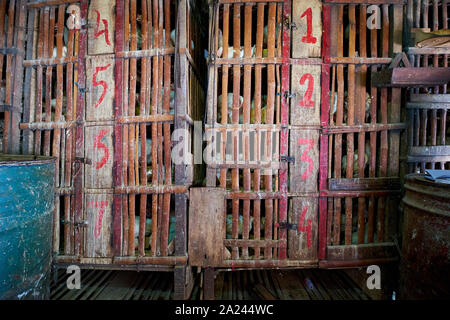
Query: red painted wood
(79, 134)
(284, 140)
(323, 171)
(117, 167)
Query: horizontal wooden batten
(333, 264)
(357, 60)
(248, 2)
(244, 127)
(146, 53)
(12, 51)
(49, 62)
(285, 263)
(364, 184)
(47, 125)
(173, 260)
(146, 118)
(248, 165)
(266, 61)
(427, 105)
(357, 252)
(357, 193)
(254, 243)
(150, 189)
(431, 98)
(170, 260)
(426, 51)
(252, 195)
(365, 1)
(48, 3)
(411, 77)
(429, 154)
(363, 128)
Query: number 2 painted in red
(102, 83)
(309, 38)
(305, 158)
(99, 145)
(307, 229)
(306, 101)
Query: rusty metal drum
(26, 224)
(424, 271)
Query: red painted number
(98, 144)
(309, 29)
(98, 225)
(307, 229)
(306, 158)
(306, 101)
(98, 33)
(100, 83)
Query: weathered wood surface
(100, 84)
(99, 152)
(302, 243)
(206, 226)
(306, 85)
(98, 211)
(101, 30)
(307, 33)
(304, 172)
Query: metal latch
(288, 159)
(287, 225)
(289, 24)
(288, 95)
(83, 160)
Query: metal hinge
(82, 223)
(287, 225)
(288, 95)
(289, 24)
(82, 160)
(288, 159)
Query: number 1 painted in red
(309, 38)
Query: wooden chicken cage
(428, 117)
(290, 198)
(105, 87)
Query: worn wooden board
(303, 174)
(100, 88)
(98, 210)
(305, 106)
(101, 32)
(99, 151)
(206, 226)
(307, 33)
(302, 243)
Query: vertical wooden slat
(246, 119)
(224, 111)
(235, 120)
(9, 79)
(48, 51)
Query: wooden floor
(237, 285)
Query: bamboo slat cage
(361, 175)
(428, 119)
(105, 97)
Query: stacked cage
(360, 157)
(106, 85)
(428, 119)
(12, 21)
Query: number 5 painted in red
(102, 83)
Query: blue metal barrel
(26, 224)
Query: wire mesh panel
(428, 132)
(360, 174)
